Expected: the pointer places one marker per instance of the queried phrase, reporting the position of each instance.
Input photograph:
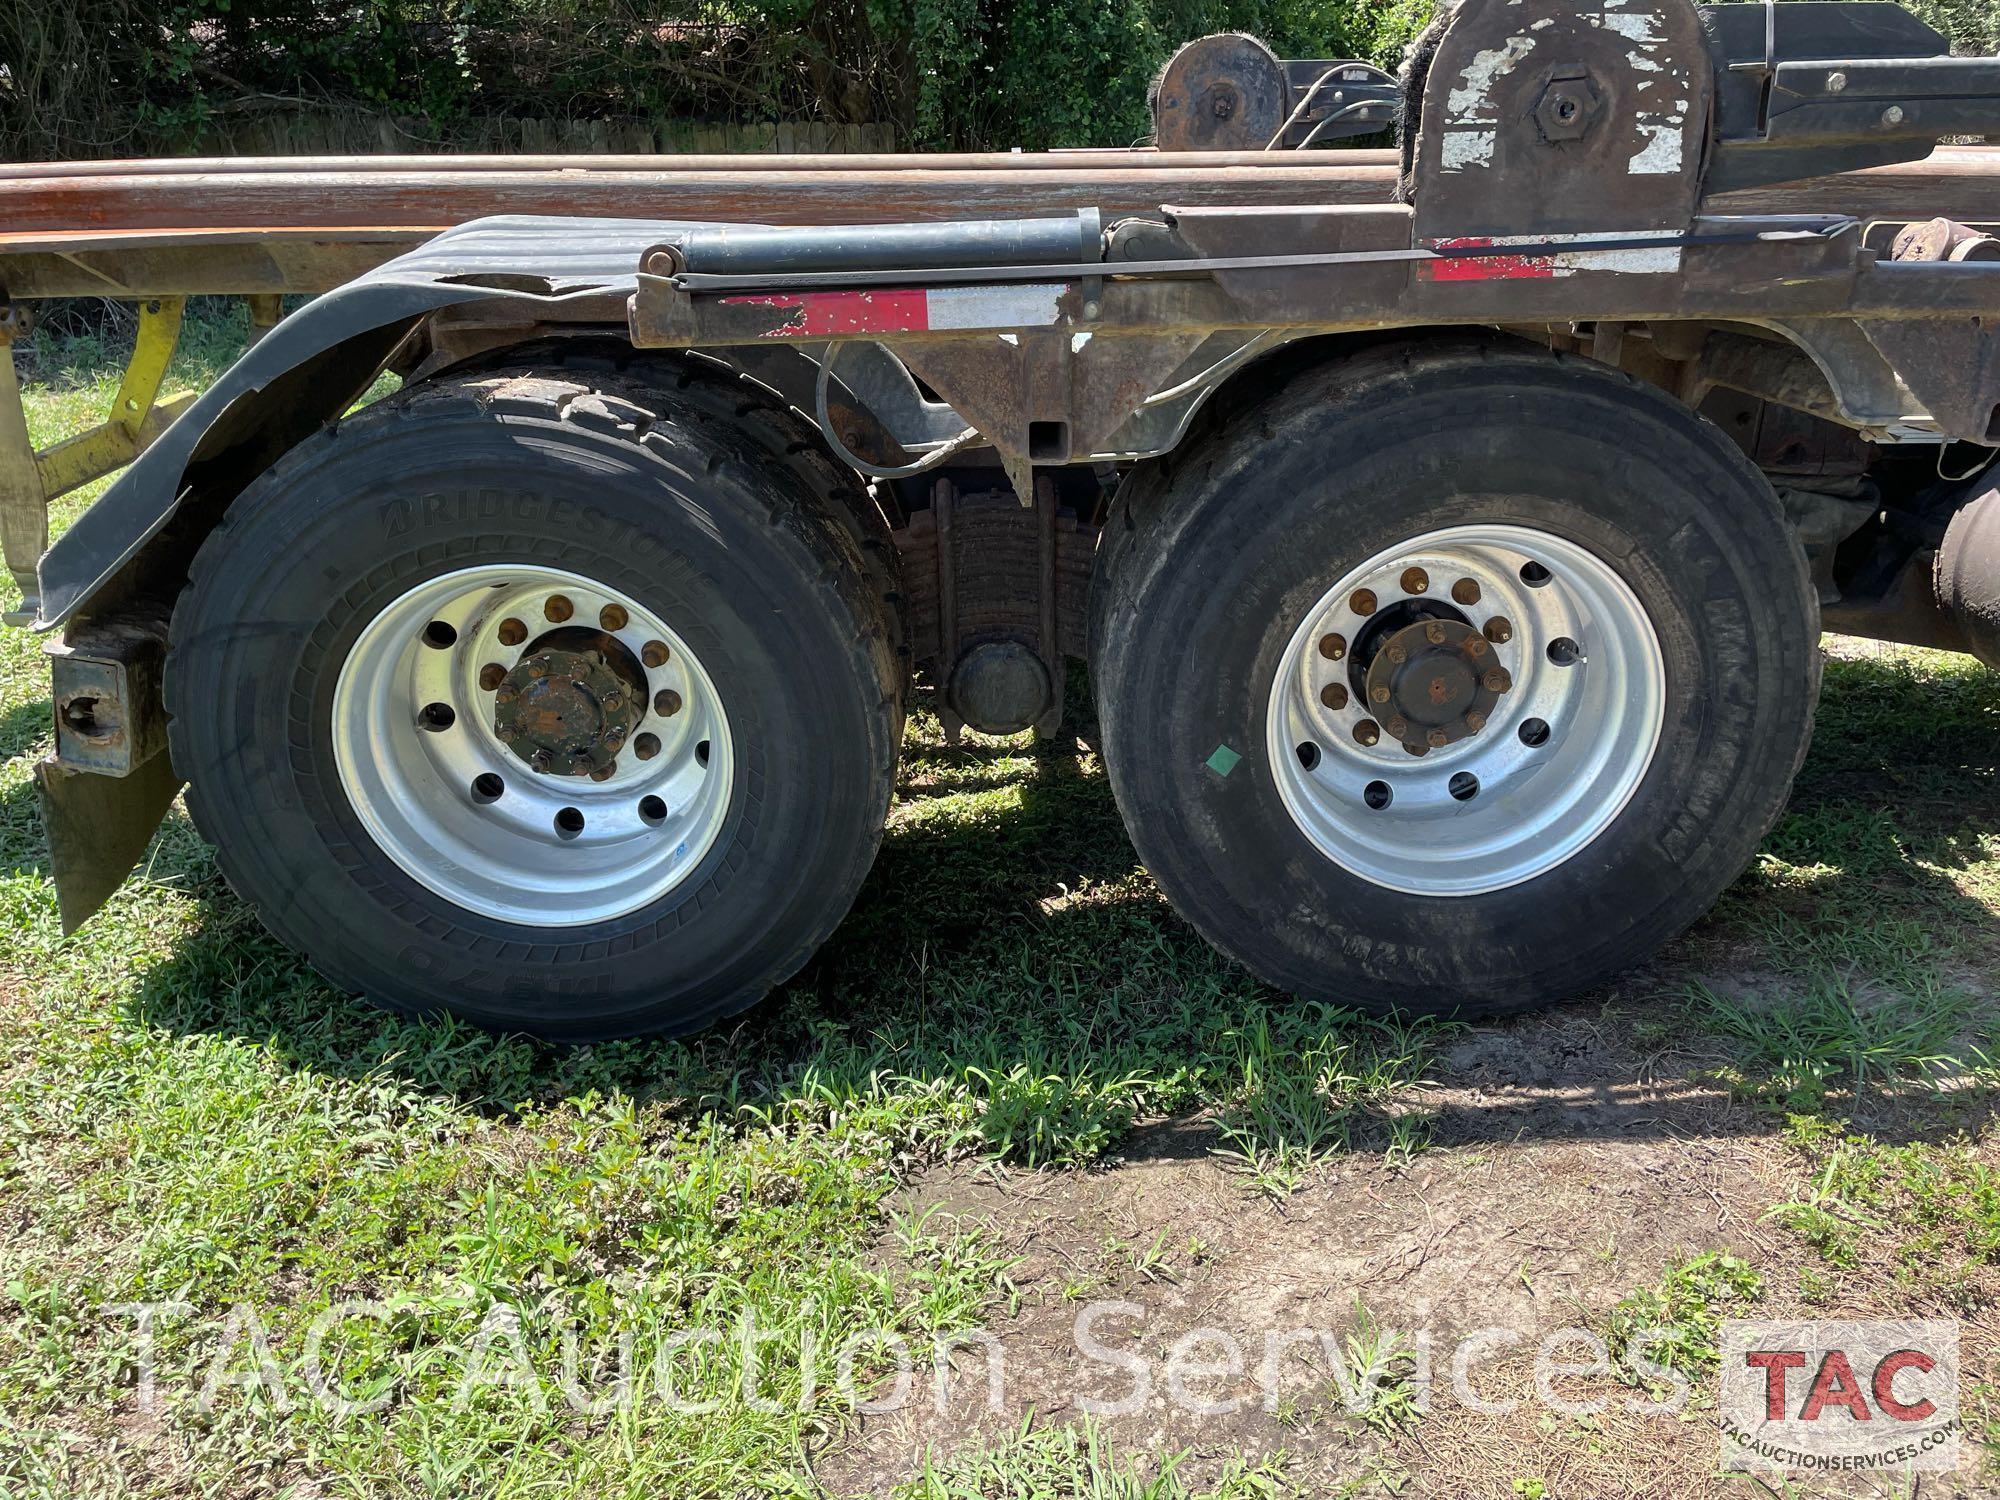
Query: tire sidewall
(1668, 505)
(315, 558)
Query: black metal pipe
(747, 249)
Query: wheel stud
(1396, 654)
(512, 632)
(491, 676)
(1465, 591)
(1437, 739)
(1379, 693)
(1476, 646)
(1367, 732)
(646, 746)
(1434, 632)
(654, 653)
(1415, 581)
(1362, 601)
(558, 608)
(605, 772)
(1497, 680)
(1333, 647)
(1398, 727)
(1475, 721)
(542, 760)
(612, 617)
(1499, 630)
(666, 703)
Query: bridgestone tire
(1214, 556)
(676, 484)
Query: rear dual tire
(353, 774)
(1616, 805)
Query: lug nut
(1362, 601)
(506, 693)
(1333, 647)
(1367, 732)
(1398, 726)
(1476, 646)
(1396, 654)
(492, 675)
(1475, 721)
(612, 617)
(654, 653)
(512, 632)
(646, 746)
(1465, 591)
(1437, 739)
(1497, 680)
(1411, 747)
(666, 703)
(613, 702)
(1499, 630)
(605, 772)
(1415, 581)
(558, 608)
(1379, 693)
(1333, 695)
(1434, 632)
(542, 760)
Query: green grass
(188, 1114)
(1676, 1322)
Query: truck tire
(1451, 678)
(563, 699)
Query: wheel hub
(1434, 683)
(566, 713)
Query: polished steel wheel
(1467, 710)
(532, 746)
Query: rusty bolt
(646, 746)
(1477, 646)
(605, 772)
(1398, 726)
(542, 760)
(1362, 601)
(1437, 739)
(1497, 680)
(1379, 693)
(537, 668)
(1414, 748)
(615, 736)
(661, 262)
(1499, 630)
(666, 703)
(506, 693)
(612, 617)
(1367, 732)
(1396, 654)
(1475, 721)
(512, 632)
(1333, 695)
(613, 702)
(558, 608)
(1434, 632)
(491, 676)
(654, 653)
(1415, 581)
(1465, 591)
(1333, 647)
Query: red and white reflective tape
(820, 315)
(1642, 261)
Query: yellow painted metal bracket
(29, 481)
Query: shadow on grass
(1007, 933)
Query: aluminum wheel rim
(531, 847)
(1564, 747)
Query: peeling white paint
(1473, 98)
(1077, 341)
(1467, 148)
(1638, 28)
(1661, 155)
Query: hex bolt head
(1333, 646)
(1434, 632)
(666, 703)
(646, 746)
(1476, 646)
(1333, 695)
(1437, 739)
(1893, 115)
(1415, 581)
(1499, 630)
(1475, 721)
(605, 772)
(1396, 654)
(541, 760)
(1497, 680)
(512, 632)
(506, 693)
(1379, 693)
(1465, 591)
(1362, 601)
(613, 702)
(613, 617)
(558, 608)
(1412, 747)
(654, 653)
(1398, 726)
(491, 676)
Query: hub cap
(1466, 711)
(532, 746)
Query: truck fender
(304, 374)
